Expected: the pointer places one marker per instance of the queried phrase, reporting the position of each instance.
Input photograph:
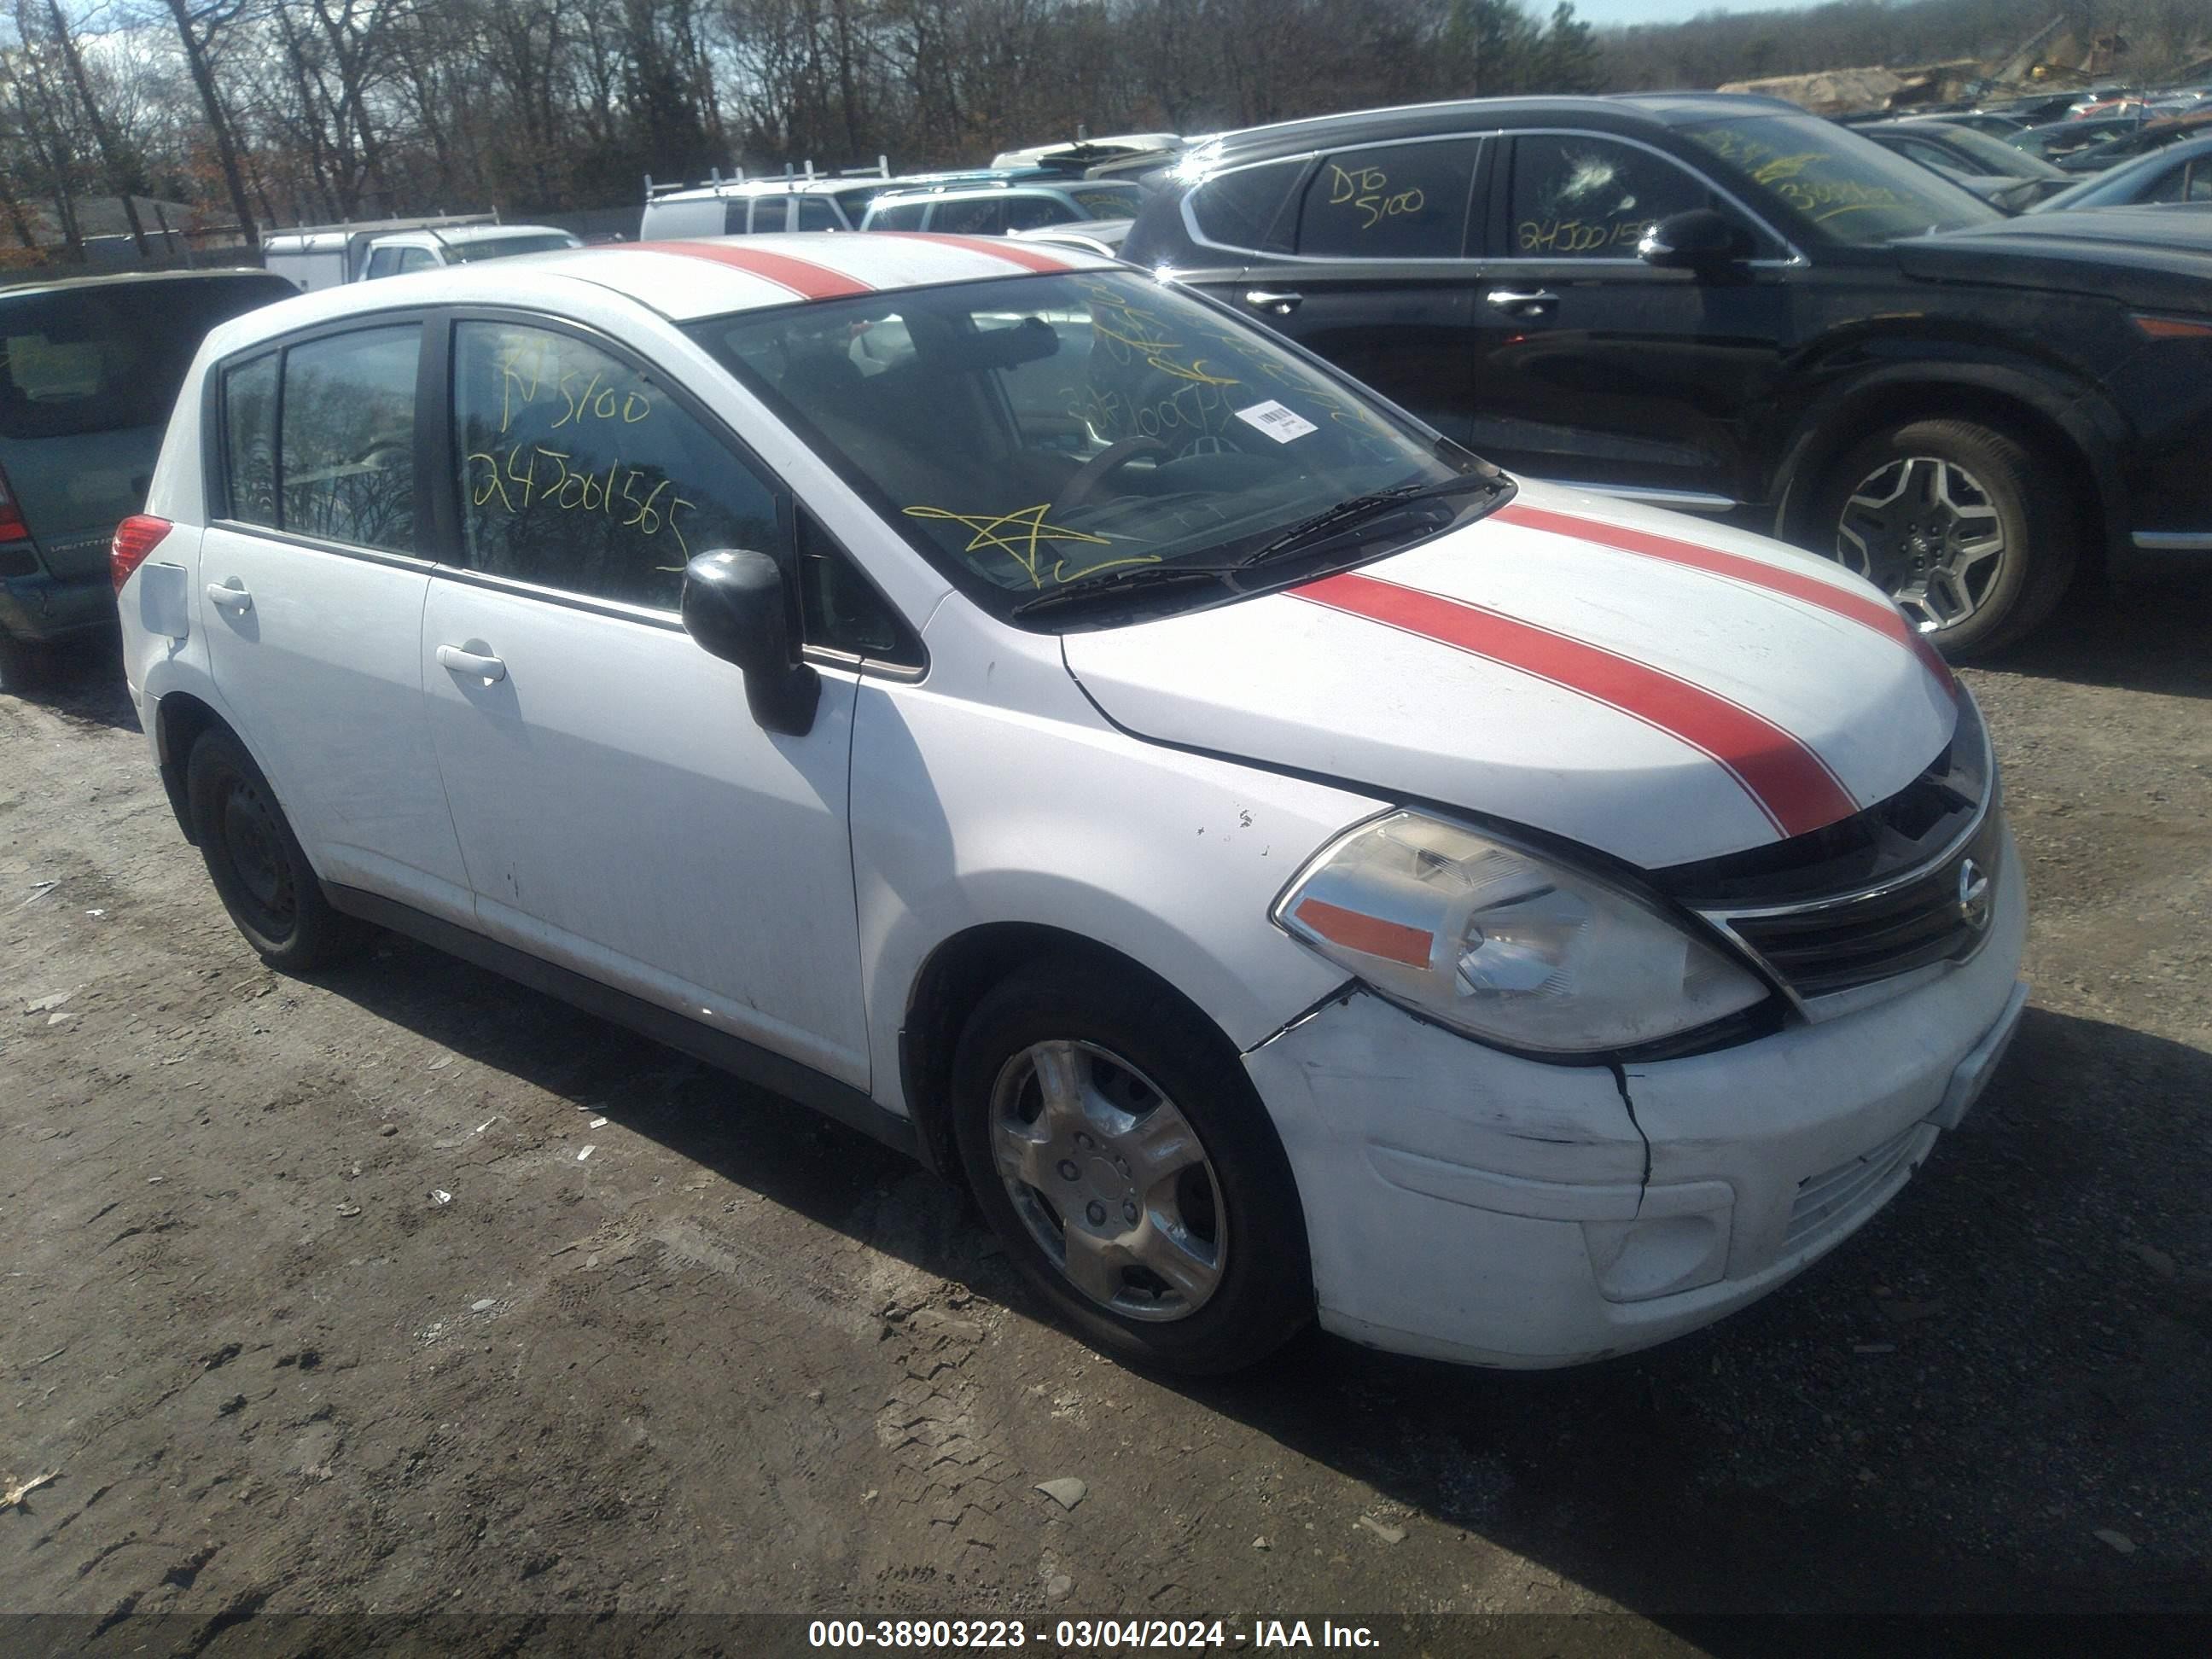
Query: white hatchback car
(1024, 710)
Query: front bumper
(41, 606)
(1468, 1205)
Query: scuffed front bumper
(1467, 1205)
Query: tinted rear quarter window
(110, 358)
(1394, 202)
(983, 217)
(1241, 208)
(249, 422)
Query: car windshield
(106, 358)
(1837, 185)
(503, 247)
(1993, 156)
(1031, 434)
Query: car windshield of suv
(107, 358)
(503, 247)
(1039, 432)
(1838, 184)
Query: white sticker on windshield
(1279, 423)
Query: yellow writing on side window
(1367, 192)
(530, 373)
(645, 504)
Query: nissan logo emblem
(1973, 894)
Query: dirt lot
(315, 1302)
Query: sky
(1603, 12)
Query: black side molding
(747, 1061)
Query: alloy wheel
(1927, 532)
(1110, 1180)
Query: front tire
(259, 871)
(1118, 1149)
(1960, 523)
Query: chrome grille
(1822, 948)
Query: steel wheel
(254, 845)
(1926, 532)
(1109, 1179)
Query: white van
(332, 255)
(1282, 864)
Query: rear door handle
(487, 669)
(230, 595)
(1267, 299)
(1522, 301)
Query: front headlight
(1505, 944)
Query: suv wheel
(1117, 1149)
(254, 860)
(1959, 524)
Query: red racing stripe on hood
(802, 276)
(1014, 253)
(1790, 783)
(1857, 607)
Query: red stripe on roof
(1857, 607)
(802, 276)
(1790, 783)
(1015, 254)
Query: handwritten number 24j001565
(516, 474)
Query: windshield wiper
(1376, 504)
(1135, 579)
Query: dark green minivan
(90, 368)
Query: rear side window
(249, 424)
(977, 216)
(898, 215)
(581, 473)
(815, 213)
(346, 453)
(1241, 208)
(1029, 212)
(1577, 195)
(1391, 202)
(108, 359)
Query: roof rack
(355, 226)
(794, 174)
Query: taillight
(12, 527)
(135, 538)
(2172, 328)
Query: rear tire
(1960, 523)
(259, 871)
(1177, 1240)
(24, 666)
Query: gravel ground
(340, 1296)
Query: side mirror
(736, 606)
(1700, 239)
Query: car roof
(728, 188)
(1624, 113)
(687, 278)
(136, 279)
(986, 187)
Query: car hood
(2137, 257)
(1657, 688)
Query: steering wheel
(1100, 467)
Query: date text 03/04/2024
(1089, 1635)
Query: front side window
(1389, 202)
(817, 213)
(1031, 434)
(898, 215)
(383, 262)
(582, 473)
(1579, 196)
(1836, 184)
(416, 258)
(346, 447)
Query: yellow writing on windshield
(1021, 535)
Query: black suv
(1725, 305)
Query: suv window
(1241, 208)
(109, 358)
(818, 213)
(1389, 202)
(581, 473)
(977, 215)
(1579, 196)
(1027, 212)
(347, 449)
(899, 216)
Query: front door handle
(230, 595)
(487, 669)
(1522, 302)
(1282, 304)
